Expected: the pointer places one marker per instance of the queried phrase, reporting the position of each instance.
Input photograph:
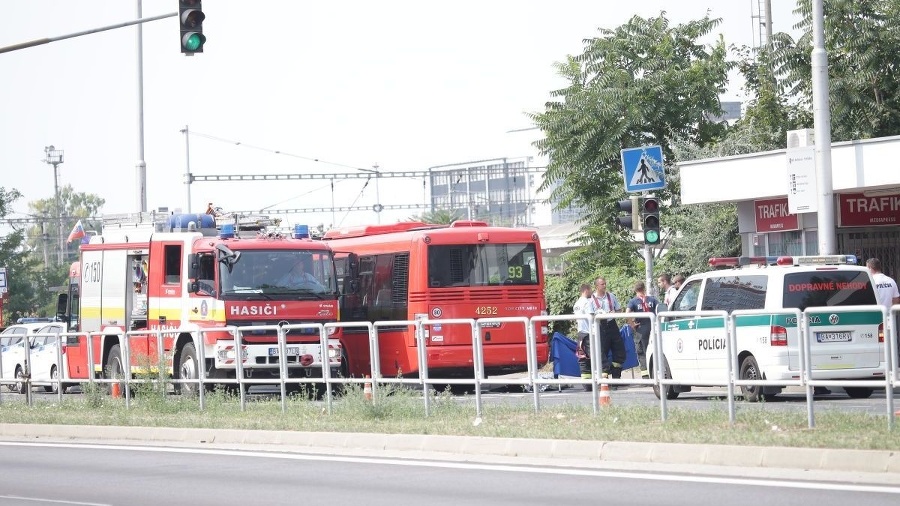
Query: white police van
(844, 345)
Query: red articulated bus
(414, 270)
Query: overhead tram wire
(272, 151)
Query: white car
(12, 352)
(45, 366)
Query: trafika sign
(774, 216)
(857, 210)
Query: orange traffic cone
(367, 389)
(604, 397)
(115, 390)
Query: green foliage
(74, 206)
(438, 216)
(23, 275)
(862, 38)
(645, 82)
(561, 292)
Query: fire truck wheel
(114, 368)
(187, 370)
(19, 387)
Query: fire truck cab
(200, 285)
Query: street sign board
(2, 279)
(643, 169)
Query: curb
(812, 459)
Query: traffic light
(190, 15)
(632, 218)
(650, 220)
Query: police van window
(727, 293)
(687, 297)
(828, 288)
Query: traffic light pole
(38, 42)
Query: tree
(24, 276)
(438, 216)
(642, 83)
(862, 38)
(74, 206)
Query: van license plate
(292, 351)
(833, 337)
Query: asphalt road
(91, 474)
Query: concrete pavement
(560, 452)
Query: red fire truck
(413, 270)
(182, 275)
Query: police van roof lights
(818, 260)
(720, 262)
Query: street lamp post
(54, 157)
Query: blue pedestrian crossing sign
(643, 169)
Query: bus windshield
(267, 273)
(482, 265)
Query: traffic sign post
(643, 169)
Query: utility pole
(141, 168)
(187, 166)
(822, 125)
(54, 157)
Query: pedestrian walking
(642, 303)
(609, 338)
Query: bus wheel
(187, 370)
(750, 371)
(858, 392)
(19, 387)
(671, 393)
(114, 368)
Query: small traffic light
(190, 15)
(632, 218)
(650, 221)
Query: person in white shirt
(584, 306)
(669, 289)
(885, 287)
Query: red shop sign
(773, 216)
(857, 210)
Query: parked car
(12, 352)
(46, 369)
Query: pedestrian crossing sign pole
(644, 171)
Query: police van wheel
(858, 392)
(750, 371)
(671, 393)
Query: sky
(293, 87)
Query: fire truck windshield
(481, 265)
(275, 273)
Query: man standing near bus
(610, 339)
